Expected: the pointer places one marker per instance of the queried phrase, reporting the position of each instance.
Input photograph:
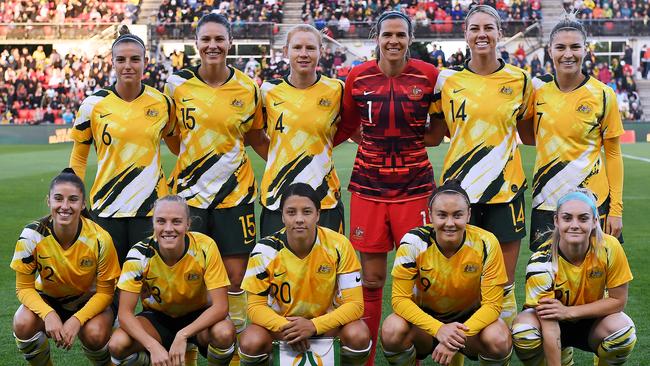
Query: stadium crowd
(237, 11)
(62, 11)
(49, 88)
(606, 9)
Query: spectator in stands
(645, 61)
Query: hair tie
(579, 196)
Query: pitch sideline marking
(636, 158)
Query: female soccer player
(125, 123)
(575, 117)
(182, 283)
(293, 278)
(219, 108)
(77, 270)
(480, 103)
(392, 176)
(448, 284)
(302, 113)
(566, 282)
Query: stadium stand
(61, 11)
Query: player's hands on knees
(177, 350)
(452, 335)
(552, 309)
(54, 327)
(442, 354)
(69, 332)
(614, 226)
(159, 356)
(297, 330)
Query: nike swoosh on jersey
(538, 103)
(104, 115)
(185, 100)
(275, 104)
(249, 241)
(425, 269)
(367, 92)
(41, 257)
(458, 90)
(279, 274)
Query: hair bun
(68, 170)
(124, 29)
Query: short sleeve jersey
(391, 163)
(68, 275)
(605, 266)
(569, 132)
(301, 124)
(306, 287)
(126, 136)
(449, 288)
(179, 289)
(481, 113)
(213, 169)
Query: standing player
(481, 103)
(218, 107)
(566, 282)
(448, 283)
(125, 123)
(77, 269)
(182, 283)
(302, 113)
(575, 117)
(303, 281)
(392, 176)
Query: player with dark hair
(480, 104)
(182, 283)
(77, 269)
(576, 116)
(576, 291)
(219, 108)
(302, 114)
(392, 177)
(125, 123)
(303, 281)
(448, 281)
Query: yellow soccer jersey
(450, 288)
(301, 124)
(569, 133)
(307, 287)
(213, 169)
(605, 266)
(481, 113)
(126, 136)
(181, 288)
(68, 276)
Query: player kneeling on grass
(448, 281)
(77, 268)
(566, 284)
(303, 281)
(183, 286)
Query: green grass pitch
(27, 169)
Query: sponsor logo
(584, 109)
(249, 241)
(458, 90)
(506, 90)
(425, 269)
(279, 274)
(238, 103)
(86, 262)
(275, 104)
(368, 92)
(324, 268)
(308, 358)
(323, 102)
(540, 103)
(42, 257)
(152, 113)
(185, 100)
(105, 115)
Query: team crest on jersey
(584, 109)
(86, 262)
(192, 276)
(596, 273)
(238, 103)
(358, 233)
(324, 268)
(415, 93)
(470, 268)
(151, 112)
(506, 90)
(324, 102)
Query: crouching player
(77, 268)
(566, 282)
(303, 281)
(448, 281)
(183, 285)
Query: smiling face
(66, 201)
(568, 51)
(393, 39)
(170, 224)
(482, 34)
(128, 60)
(213, 43)
(303, 50)
(575, 221)
(300, 217)
(450, 214)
